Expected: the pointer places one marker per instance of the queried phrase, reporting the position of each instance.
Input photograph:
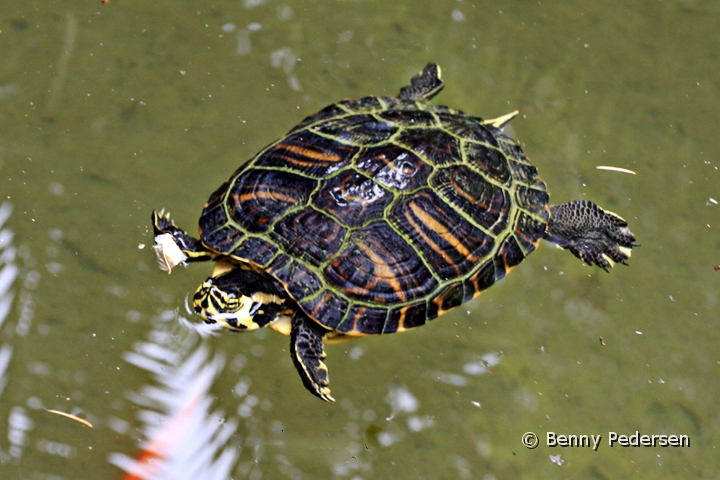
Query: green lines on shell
(320, 150)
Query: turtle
(374, 216)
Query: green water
(110, 110)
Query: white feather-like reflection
(184, 436)
(8, 269)
(19, 422)
(8, 274)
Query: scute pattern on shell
(379, 214)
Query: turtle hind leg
(424, 85)
(595, 236)
(306, 349)
(193, 248)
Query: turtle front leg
(192, 247)
(306, 349)
(595, 236)
(173, 246)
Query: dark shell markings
(382, 213)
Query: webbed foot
(306, 349)
(595, 236)
(424, 85)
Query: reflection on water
(19, 423)
(182, 437)
(185, 434)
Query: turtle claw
(162, 223)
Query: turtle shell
(379, 214)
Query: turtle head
(217, 301)
(240, 300)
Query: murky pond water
(110, 110)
